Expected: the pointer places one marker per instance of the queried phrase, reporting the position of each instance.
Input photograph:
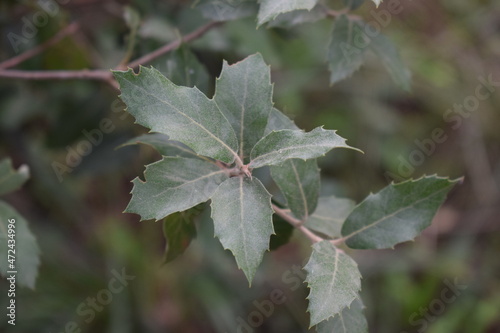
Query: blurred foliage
(84, 237)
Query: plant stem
(297, 224)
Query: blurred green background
(84, 237)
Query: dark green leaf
(242, 215)
(163, 145)
(279, 146)
(334, 280)
(298, 180)
(396, 214)
(244, 95)
(184, 114)
(174, 184)
(179, 230)
(283, 232)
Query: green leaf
(184, 114)
(350, 320)
(179, 230)
(27, 254)
(227, 10)
(183, 68)
(396, 214)
(269, 9)
(298, 180)
(283, 232)
(174, 184)
(244, 95)
(330, 215)
(242, 215)
(10, 179)
(288, 20)
(389, 55)
(163, 145)
(334, 280)
(346, 49)
(278, 121)
(279, 146)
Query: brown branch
(173, 45)
(14, 61)
(100, 74)
(297, 224)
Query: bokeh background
(84, 237)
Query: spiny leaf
(242, 215)
(184, 114)
(269, 9)
(10, 179)
(330, 215)
(243, 94)
(174, 184)
(350, 320)
(163, 145)
(298, 180)
(396, 214)
(279, 146)
(290, 19)
(179, 230)
(27, 254)
(334, 280)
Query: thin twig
(100, 74)
(14, 61)
(297, 224)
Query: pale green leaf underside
(242, 215)
(279, 146)
(290, 19)
(396, 214)
(27, 252)
(163, 145)
(174, 184)
(333, 279)
(329, 215)
(278, 121)
(350, 320)
(298, 180)
(244, 96)
(269, 9)
(184, 114)
(10, 179)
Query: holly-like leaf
(288, 20)
(179, 230)
(389, 55)
(10, 179)
(269, 9)
(298, 180)
(184, 114)
(25, 251)
(279, 146)
(244, 95)
(278, 121)
(396, 214)
(227, 10)
(348, 45)
(330, 215)
(242, 215)
(283, 232)
(350, 320)
(334, 280)
(174, 184)
(163, 145)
